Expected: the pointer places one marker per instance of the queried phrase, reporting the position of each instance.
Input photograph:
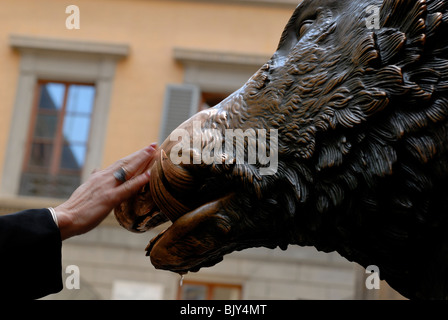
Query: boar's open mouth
(201, 231)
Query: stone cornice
(32, 43)
(277, 3)
(186, 56)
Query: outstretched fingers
(125, 190)
(133, 165)
(91, 202)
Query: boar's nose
(168, 182)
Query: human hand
(95, 198)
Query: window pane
(41, 154)
(73, 157)
(80, 98)
(194, 292)
(52, 96)
(223, 293)
(44, 185)
(76, 128)
(46, 126)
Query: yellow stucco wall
(152, 29)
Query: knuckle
(107, 196)
(127, 187)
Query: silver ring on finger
(120, 174)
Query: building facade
(86, 83)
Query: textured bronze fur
(363, 151)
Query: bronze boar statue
(355, 116)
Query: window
(191, 290)
(211, 99)
(69, 62)
(209, 77)
(58, 139)
(181, 102)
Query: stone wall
(109, 255)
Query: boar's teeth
(170, 206)
(178, 178)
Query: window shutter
(181, 102)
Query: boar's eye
(304, 27)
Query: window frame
(59, 60)
(211, 287)
(55, 165)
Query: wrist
(54, 216)
(63, 221)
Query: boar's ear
(406, 22)
(289, 34)
(410, 29)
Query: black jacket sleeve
(30, 255)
